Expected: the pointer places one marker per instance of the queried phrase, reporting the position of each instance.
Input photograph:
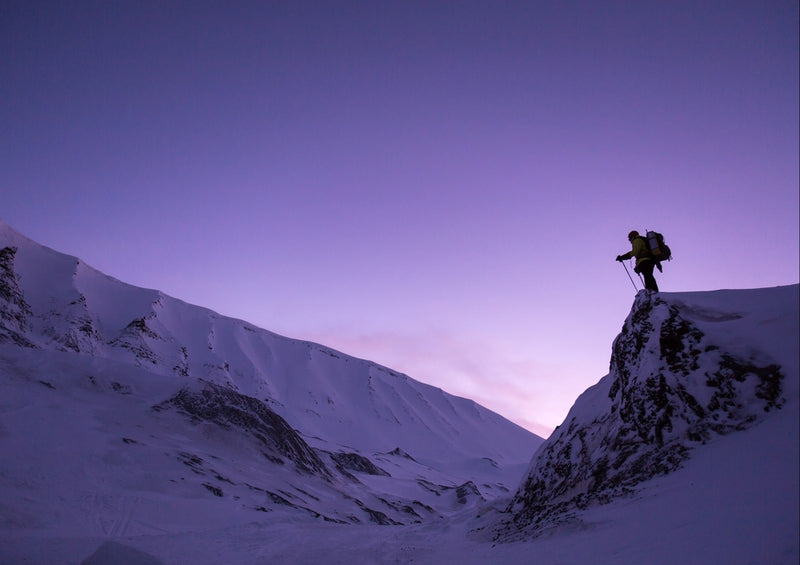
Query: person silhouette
(644, 260)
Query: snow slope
(323, 393)
(136, 428)
(129, 412)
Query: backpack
(658, 249)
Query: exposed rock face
(137, 338)
(71, 327)
(227, 408)
(15, 313)
(68, 326)
(359, 463)
(670, 387)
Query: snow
(91, 473)
(322, 392)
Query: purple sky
(440, 187)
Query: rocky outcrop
(670, 388)
(137, 338)
(227, 408)
(15, 313)
(73, 327)
(69, 327)
(358, 463)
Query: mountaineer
(645, 263)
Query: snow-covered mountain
(115, 396)
(56, 302)
(676, 381)
(137, 428)
(687, 370)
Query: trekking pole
(630, 277)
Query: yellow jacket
(640, 251)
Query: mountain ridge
(107, 318)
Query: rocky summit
(676, 381)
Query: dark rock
(670, 389)
(466, 491)
(377, 516)
(358, 463)
(230, 409)
(15, 313)
(216, 491)
(134, 337)
(400, 453)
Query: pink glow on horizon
(520, 387)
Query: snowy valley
(137, 428)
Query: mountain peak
(677, 380)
